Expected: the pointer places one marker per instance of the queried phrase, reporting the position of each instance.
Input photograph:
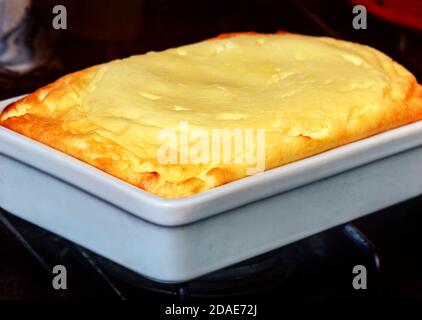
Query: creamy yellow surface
(288, 85)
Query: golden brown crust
(41, 115)
(102, 152)
(30, 116)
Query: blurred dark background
(102, 30)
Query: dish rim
(181, 211)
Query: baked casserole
(305, 94)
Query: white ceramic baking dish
(174, 240)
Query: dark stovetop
(317, 267)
